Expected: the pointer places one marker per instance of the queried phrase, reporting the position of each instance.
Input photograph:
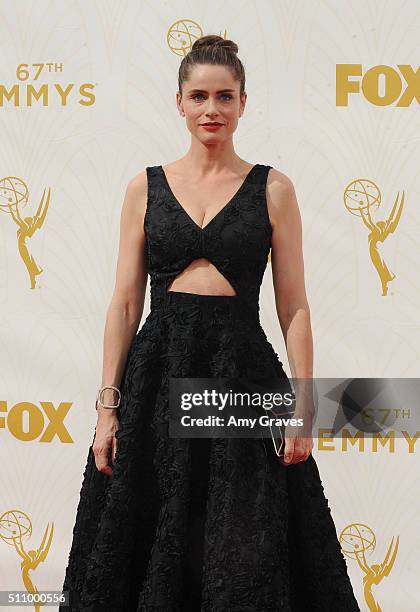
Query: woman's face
(211, 94)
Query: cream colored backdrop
(320, 110)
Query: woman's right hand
(105, 442)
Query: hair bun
(213, 40)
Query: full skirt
(201, 524)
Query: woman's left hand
(299, 444)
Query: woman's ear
(242, 104)
(179, 102)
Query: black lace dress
(210, 524)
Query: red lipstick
(211, 127)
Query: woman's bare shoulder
(136, 195)
(281, 195)
(138, 183)
(278, 182)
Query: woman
(174, 524)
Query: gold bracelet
(99, 401)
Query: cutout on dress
(195, 270)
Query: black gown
(210, 524)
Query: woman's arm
(126, 307)
(288, 273)
(290, 294)
(124, 312)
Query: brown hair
(212, 49)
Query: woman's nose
(212, 106)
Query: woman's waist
(228, 306)
(192, 320)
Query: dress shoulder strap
(153, 176)
(259, 186)
(154, 184)
(260, 174)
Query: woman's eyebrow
(204, 91)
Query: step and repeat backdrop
(87, 101)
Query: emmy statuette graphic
(16, 525)
(14, 197)
(359, 198)
(182, 34)
(356, 541)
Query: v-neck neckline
(219, 213)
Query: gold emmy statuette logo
(356, 541)
(359, 198)
(14, 198)
(15, 525)
(182, 34)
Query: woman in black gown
(214, 524)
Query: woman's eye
(201, 96)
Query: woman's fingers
(104, 445)
(297, 449)
(289, 449)
(101, 459)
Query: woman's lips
(212, 128)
